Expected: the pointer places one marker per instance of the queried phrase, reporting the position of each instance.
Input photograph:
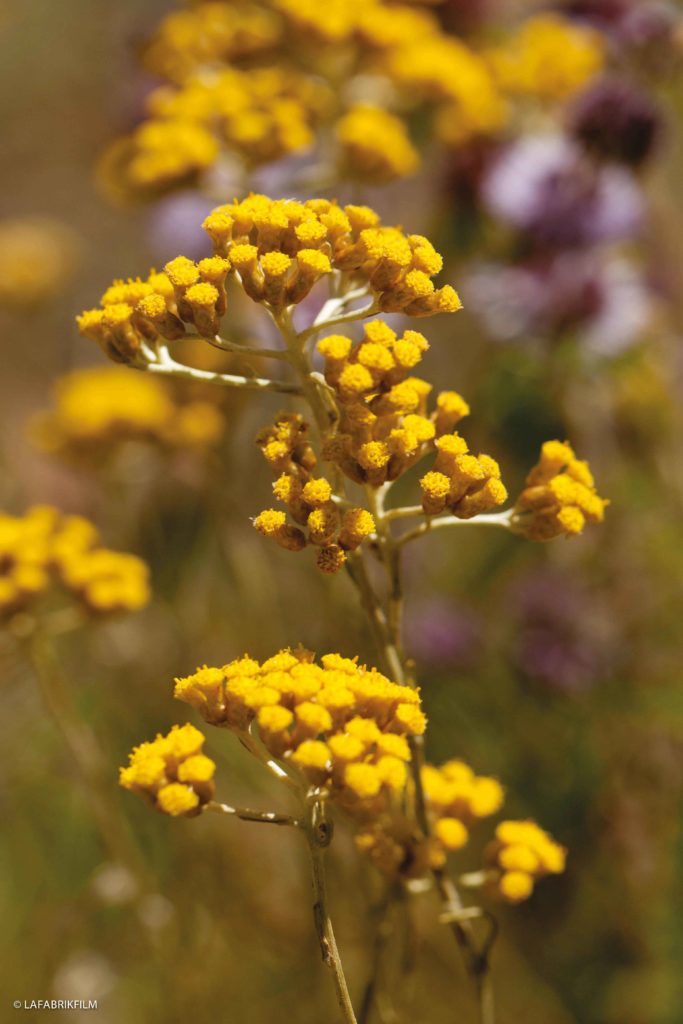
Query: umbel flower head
(99, 408)
(339, 731)
(172, 772)
(559, 497)
(44, 549)
(277, 250)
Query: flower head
(99, 408)
(521, 853)
(172, 772)
(559, 497)
(44, 549)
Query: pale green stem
(342, 318)
(501, 519)
(242, 350)
(260, 817)
(319, 835)
(165, 365)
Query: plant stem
(165, 365)
(319, 836)
(502, 519)
(260, 817)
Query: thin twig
(319, 835)
(495, 519)
(165, 365)
(260, 817)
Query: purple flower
(442, 634)
(560, 640)
(616, 120)
(633, 23)
(605, 301)
(545, 186)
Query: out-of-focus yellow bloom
(444, 71)
(210, 34)
(44, 549)
(521, 853)
(455, 798)
(261, 79)
(559, 497)
(548, 57)
(97, 409)
(262, 114)
(172, 772)
(375, 146)
(37, 258)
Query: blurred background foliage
(555, 667)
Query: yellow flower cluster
(384, 426)
(209, 34)
(520, 853)
(444, 71)
(44, 547)
(135, 311)
(37, 257)
(455, 799)
(263, 114)
(559, 497)
(172, 772)
(463, 484)
(280, 248)
(312, 517)
(98, 408)
(375, 145)
(262, 78)
(277, 250)
(340, 725)
(548, 57)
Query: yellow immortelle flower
(521, 853)
(312, 516)
(463, 484)
(375, 145)
(277, 250)
(343, 725)
(398, 268)
(171, 772)
(385, 427)
(559, 497)
(44, 548)
(100, 407)
(549, 57)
